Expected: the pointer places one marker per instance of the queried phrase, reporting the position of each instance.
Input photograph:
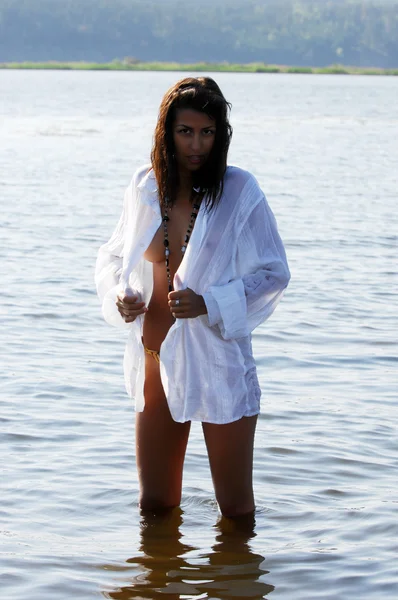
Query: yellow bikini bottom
(152, 353)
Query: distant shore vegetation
(305, 33)
(130, 64)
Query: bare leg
(160, 446)
(230, 450)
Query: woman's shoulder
(240, 179)
(141, 173)
(141, 188)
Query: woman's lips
(195, 159)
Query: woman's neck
(185, 184)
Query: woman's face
(194, 133)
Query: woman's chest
(172, 234)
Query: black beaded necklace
(166, 219)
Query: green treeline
(224, 67)
(304, 33)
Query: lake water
(324, 149)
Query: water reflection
(230, 570)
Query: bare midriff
(158, 319)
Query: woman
(194, 265)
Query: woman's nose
(196, 142)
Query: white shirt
(235, 259)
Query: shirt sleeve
(239, 306)
(109, 267)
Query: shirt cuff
(213, 310)
(228, 308)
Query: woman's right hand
(129, 308)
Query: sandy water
(324, 149)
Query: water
(324, 150)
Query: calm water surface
(324, 149)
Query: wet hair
(204, 95)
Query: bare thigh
(230, 450)
(160, 446)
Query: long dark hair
(204, 95)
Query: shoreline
(131, 65)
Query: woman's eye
(209, 131)
(184, 130)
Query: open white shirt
(235, 259)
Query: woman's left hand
(185, 304)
